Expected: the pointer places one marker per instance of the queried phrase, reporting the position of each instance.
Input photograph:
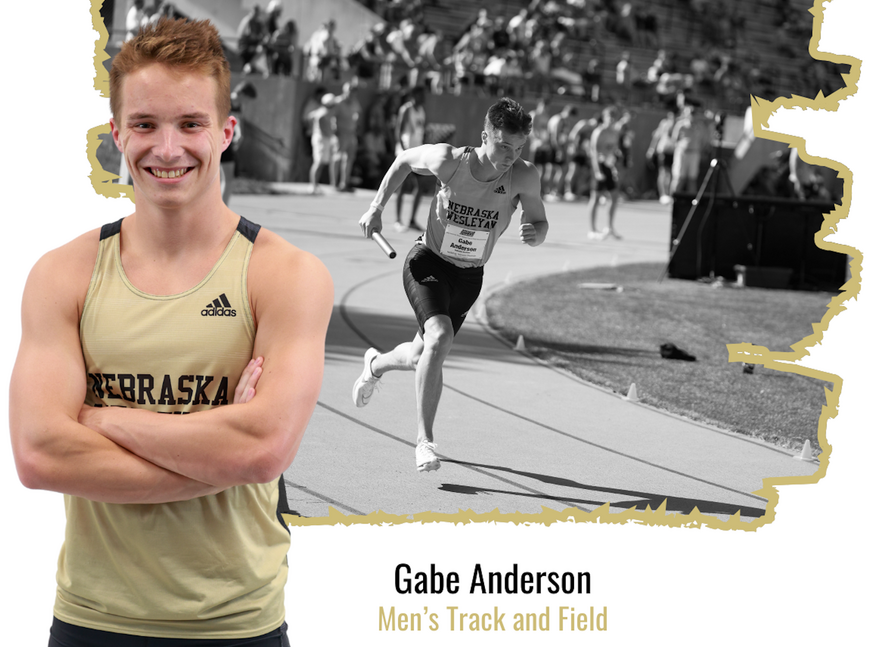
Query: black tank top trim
(248, 229)
(107, 231)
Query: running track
(514, 435)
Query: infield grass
(606, 325)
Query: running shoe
(398, 226)
(427, 461)
(610, 233)
(365, 383)
(414, 226)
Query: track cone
(521, 344)
(632, 393)
(807, 453)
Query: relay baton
(383, 244)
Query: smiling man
(478, 191)
(173, 525)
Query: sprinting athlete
(173, 528)
(478, 191)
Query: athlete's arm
(429, 159)
(292, 297)
(533, 222)
(52, 450)
(593, 153)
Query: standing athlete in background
(478, 191)
(410, 131)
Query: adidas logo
(429, 279)
(500, 189)
(220, 307)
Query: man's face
(171, 134)
(501, 148)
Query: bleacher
(679, 35)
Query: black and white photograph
(596, 368)
(481, 313)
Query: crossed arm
(137, 456)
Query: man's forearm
(224, 446)
(393, 178)
(72, 459)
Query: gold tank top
(211, 567)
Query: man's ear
(116, 136)
(229, 128)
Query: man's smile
(168, 173)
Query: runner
(478, 191)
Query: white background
(797, 581)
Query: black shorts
(666, 160)
(609, 181)
(580, 159)
(437, 287)
(67, 635)
(543, 156)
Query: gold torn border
(762, 110)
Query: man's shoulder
(282, 276)
(524, 172)
(281, 258)
(67, 270)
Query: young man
(603, 157)
(173, 527)
(478, 191)
(347, 110)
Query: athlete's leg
(418, 195)
(593, 210)
(437, 342)
(403, 357)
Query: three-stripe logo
(220, 307)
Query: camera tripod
(716, 167)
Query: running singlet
(467, 216)
(211, 567)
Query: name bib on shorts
(464, 244)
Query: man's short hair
(508, 116)
(187, 45)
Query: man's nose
(168, 145)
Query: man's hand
(246, 388)
(371, 221)
(528, 233)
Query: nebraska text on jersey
(143, 388)
(471, 216)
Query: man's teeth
(168, 174)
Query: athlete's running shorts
(609, 181)
(67, 635)
(542, 156)
(437, 287)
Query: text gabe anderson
(512, 581)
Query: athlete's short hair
(507, 115)
(188, 45)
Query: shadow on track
(638, 499)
